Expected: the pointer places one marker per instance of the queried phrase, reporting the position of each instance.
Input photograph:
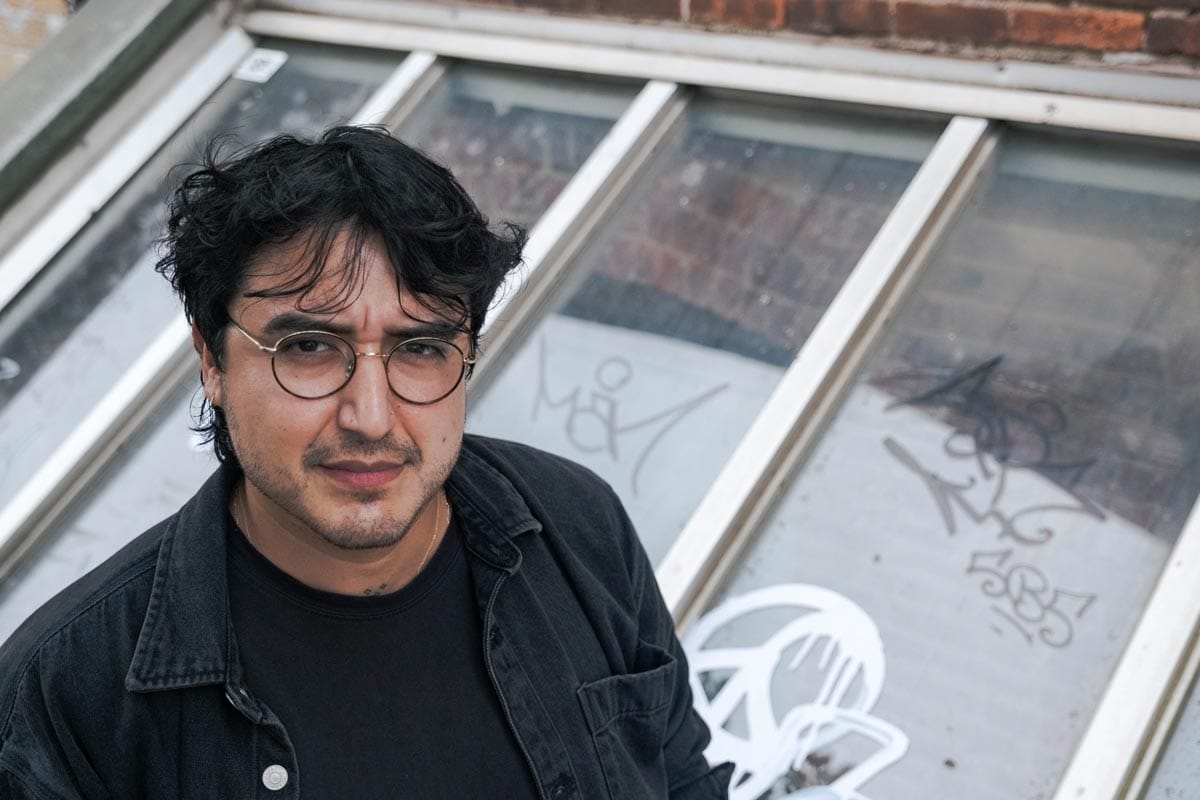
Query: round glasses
(315, 364)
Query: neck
(314, 561)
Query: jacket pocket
(627, 715)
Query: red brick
(1148, 5)
(648, 271)
(1086, 28)
(656, 9)
(624, 257)
(733, 295)
(810, 15)
(568, 6)
(744, 13)
(861, 16)
(674, 275)
(1173, 32)
(951, 22)
(872, 17)
(767, 13)
(670, 266)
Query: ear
(210, 372)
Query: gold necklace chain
(240, 517)
(438, 530)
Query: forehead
(342, 277)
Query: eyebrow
(293, 322)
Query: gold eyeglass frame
(353, 363)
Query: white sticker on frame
(260, 65)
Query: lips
(363, 474)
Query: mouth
(363, 474)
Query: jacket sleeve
(690, 777)
(39, 758)
(13, 787)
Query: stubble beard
(350, 524)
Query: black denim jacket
(128, 684)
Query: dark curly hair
(357, 182)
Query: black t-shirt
(382, 697)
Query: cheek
(439, 425)
(269, 420)
(303, 422)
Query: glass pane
(1178, 772)
(976, 533)
(513, 138)
(155, 473)
(94, 309)
(696, 295)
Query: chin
(364, 534)
(363, 541)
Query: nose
(366, 401)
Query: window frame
(1149, 685)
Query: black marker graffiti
(948, 495)
(1015, 437)
(599, 412)
(999, 440)
(1032, 602)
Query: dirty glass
(681, 313)
(154, 473)
(513, 138)
(934, 607)
(96, 307)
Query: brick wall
(1053, 31)
(755, 234)
(25, 24)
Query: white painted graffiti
(833, 655)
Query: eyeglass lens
(313, 365)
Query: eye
(423, 350)
(309, 345)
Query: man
(362, 602)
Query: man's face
(354, 469)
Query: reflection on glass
(1178, 772)
(514, 138)
(97, 305)
(688, 305)
(155, 473)
(977, 532)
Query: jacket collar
(186, 638)
(490, 510)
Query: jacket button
(275, 777)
